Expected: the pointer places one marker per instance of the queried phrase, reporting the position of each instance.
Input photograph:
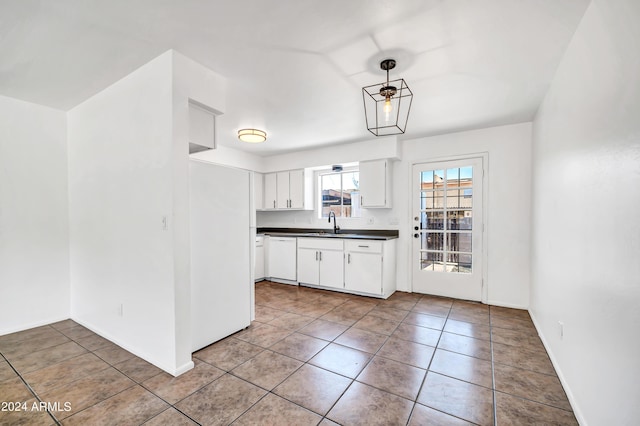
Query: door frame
(484, 156)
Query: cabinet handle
(274, 204)
(316, 256)
(361, 202)
(320, 256)
(349, 258)
(364, 246)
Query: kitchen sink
(327, 235)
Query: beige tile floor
(311, 357)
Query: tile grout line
(33, 392)
(429, 366)
(493, 372)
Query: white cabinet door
(282, 258)
(308, 260)
(373, 184)
(332, 268)
(296, 189)
(282, 182)
(259, 270)
(270, 191)
(258, 191)
(363, 273)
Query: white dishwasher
(282, 252)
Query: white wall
(34, 244)
(120, 188)
(190, 81)
(507, 204)
(128, 175)
(586, 198)
(509, 169)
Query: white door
(308, 271)
(282, 190)
(447, 228)
(373, 178)
(296, 189)
(221, 242)
(363, 272)
(270, 191)
(332, 268)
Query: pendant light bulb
(387, 108)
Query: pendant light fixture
(252, 135)
(387, 104)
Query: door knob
(416, 218)
(416, 235)
(416, 228)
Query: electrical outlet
(370, 220)
(165, 223)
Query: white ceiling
(296, 68)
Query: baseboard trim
(184, 368)
(282, 281)
(565, 385)
(33, 325)
(174, 371)
(507, 305)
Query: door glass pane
(432, 199)
(432, 220)
(459, 242)
(432, 240)
(426, 180)
(459, 219)
(431, 261)
(459, 263)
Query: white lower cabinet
(370, 267)
(321, 262)
(259, 255)
(282, 259)
(366, 267)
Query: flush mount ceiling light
(387, 104)
(252, 135)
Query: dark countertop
(363, 234)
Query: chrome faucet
(336, 228)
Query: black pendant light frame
(374, 97)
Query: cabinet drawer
(364, 246)
(320, 243)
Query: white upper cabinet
(270, 192)
(282, 190)
(375, 184)
(201, 129)
(288, 190)
(296, 189)
(258, 191)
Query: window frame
(327, 172)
